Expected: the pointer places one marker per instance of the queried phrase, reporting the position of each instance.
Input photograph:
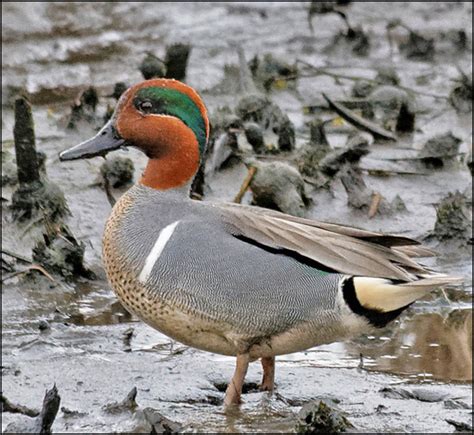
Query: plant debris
(421, 394)
(118, 171)
(150, 421)
(84, 109)
(119, 89)
(358, 121)
(14, 408)
(59, 252)
(245, 185)
(278, 186)
(387, 76)
(327, 7)
(42, 200)
(312, 153)
(176, 61)
(270, 71)
(223, 149)
(406, 119)
(356, 148)
(359, 196)
(41, 422)
(418, 47)
(354, 39)
(260, 110)
(25, 143)
(453, 218)
(461, 94)
(456, 404)
(254, 136)
(440, 150)
(386, 102)
(152, 67)
(322, 416)
(127, 404)
(460, 426)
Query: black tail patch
(375, 317)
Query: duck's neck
(173, 170)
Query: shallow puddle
(421, 347)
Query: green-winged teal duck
(234, 279)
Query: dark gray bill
(106, 140)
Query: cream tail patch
(156, 251)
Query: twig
(13, 274)
(43, 271)
(324, 71)
(358, 121)
(374, 205)
(17, 256)
(7, 266)
(110, 197)
(29, 269)
(361, 361)
(8, 406)
(245, 184)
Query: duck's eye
(145, 106)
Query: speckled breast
(176, 322)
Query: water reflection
(418, 345)
(425, 345)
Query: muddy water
(54, 50)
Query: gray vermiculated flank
(205, 269)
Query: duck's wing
(339, 248)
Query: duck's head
(165, 119)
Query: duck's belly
(195, 330)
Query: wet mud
(115, 374)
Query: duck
(234, 279)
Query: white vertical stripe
(156, 251)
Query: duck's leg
(268, 364)
(234, 389)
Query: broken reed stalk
(358, 121)
(49, 411)
(25, 145)
(43, 203)
(245, 184)
(374, 205)
(16, 256)
(176, 61)
(36, 267)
